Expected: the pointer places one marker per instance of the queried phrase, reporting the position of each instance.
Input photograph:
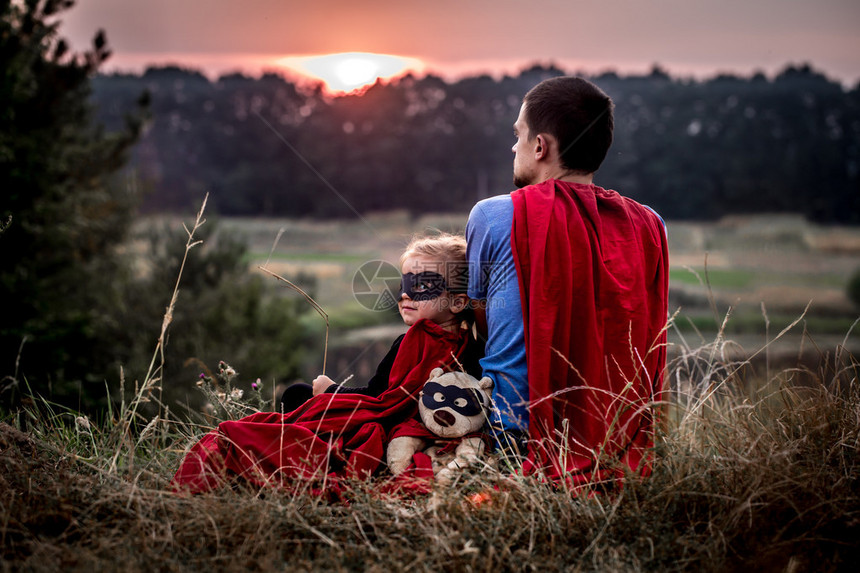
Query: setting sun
(349, 71)
(355, 72)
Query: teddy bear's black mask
(464, 401)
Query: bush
(222, 312)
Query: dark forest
(690, 149)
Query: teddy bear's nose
(444, 418)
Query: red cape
(331, 435)
(593, 269)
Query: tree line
(690, 149)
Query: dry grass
(745, 479)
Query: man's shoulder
(629, 203)
(489, 225)
(493, 207)
(645, 211)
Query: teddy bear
(452, 408)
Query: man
(575, 280)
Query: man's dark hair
(578, 114)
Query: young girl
(341, 432)
(433, 287)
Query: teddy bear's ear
(486, 383)
(436, 372)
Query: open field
(750, 276)
(782, 261)
(755, 269)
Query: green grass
(745, 278)
(717, 278)
(750, 322)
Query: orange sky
(699, 37)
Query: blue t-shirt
(493, 277)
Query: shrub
(222, 312)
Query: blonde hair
(446, 249)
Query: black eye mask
(464, 401)
(426, 285)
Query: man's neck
(569, 176)
(586, 179)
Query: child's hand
(321, 384)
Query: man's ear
(541, 146)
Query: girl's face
(441, 309)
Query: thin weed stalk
(313, 304)
(153, 375)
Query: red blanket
(330, 435)
(593, 270)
